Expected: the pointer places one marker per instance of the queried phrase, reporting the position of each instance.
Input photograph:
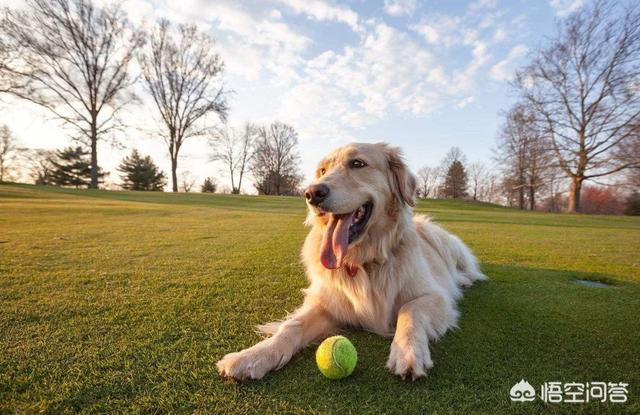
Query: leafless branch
(584, 90)
(182, 72)
(72, 58)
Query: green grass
(124, 301)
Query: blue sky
(422, 74)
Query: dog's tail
(463, 264)
(466, 263)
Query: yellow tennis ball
(336, 357)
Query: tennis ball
(336, 357)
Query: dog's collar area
(352, 270)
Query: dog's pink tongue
(335, 240)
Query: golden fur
(409, 271)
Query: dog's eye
(357, 164)
(323, 171)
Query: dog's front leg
(308, 323)
(424, 318)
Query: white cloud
(278, 72)
(465, 102)
(503, 70)
(451, 34)
(464, 80)
(462, 29)
(500, 35)
(566, 7)
(138, 11)
(400, 7)
(323, 11)
(430, 33)
(386, 74)
(441, 29)
(253, 42)
(275, 14)
(479, 5)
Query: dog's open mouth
(342, 230)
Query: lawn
(124, 301)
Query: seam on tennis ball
(333, 355)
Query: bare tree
(275, 165)
(71, 58)
(629, 152)
(477, 175)
(187, 180)
(512, 151)
(10, 57)
(41, 167)
(539, 168)
(183, 74)
(492, 190)
(428, 178)
(235, 148)
(583, 89)
(6, 81)
(454, 154)
(523, 154)
(8, 151)
(555, 189)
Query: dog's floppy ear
(401, 180)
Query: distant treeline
(576, 119)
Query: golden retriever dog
(371, 264)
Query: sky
(424, 75)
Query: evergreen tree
(71, 166)
(141, 173)
(455, 183)
(209, 185)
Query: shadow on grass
(525, 323)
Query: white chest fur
(361, 300)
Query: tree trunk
(521, 190)
(574, 194)
(174, 175)
(532, 198)
(94, 155)
(521, 198)
(233, 184)
(240, 181)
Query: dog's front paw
(409, 360)
(252, 363)
(242, 365)
(233, 365)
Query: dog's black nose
(316, 193)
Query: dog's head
(358, 189)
